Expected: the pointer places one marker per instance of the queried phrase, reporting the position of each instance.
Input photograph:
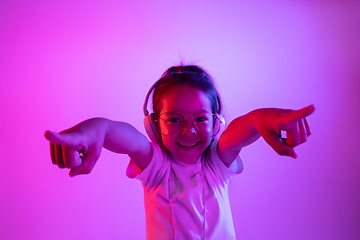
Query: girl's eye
(201, 119)
(174, 120)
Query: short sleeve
(225, 172)
(154, 172)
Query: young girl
(186, 167)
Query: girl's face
(188, 143)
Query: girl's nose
(188, 128)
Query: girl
(186, 167)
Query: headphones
(149, 120)
(150, 123)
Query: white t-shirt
(186, 201)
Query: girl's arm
(79, 147)
(268, 123)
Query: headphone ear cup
(151, 128)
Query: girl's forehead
(185, 99)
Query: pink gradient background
(61, 63)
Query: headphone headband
(146, 112)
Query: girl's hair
(191, 76)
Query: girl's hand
(270, 122)
(77, 148)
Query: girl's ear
(151, 128)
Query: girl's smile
(188, 143)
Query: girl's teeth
(188, 145)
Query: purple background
(61, 63)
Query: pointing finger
(295, 116)
(64, 139)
